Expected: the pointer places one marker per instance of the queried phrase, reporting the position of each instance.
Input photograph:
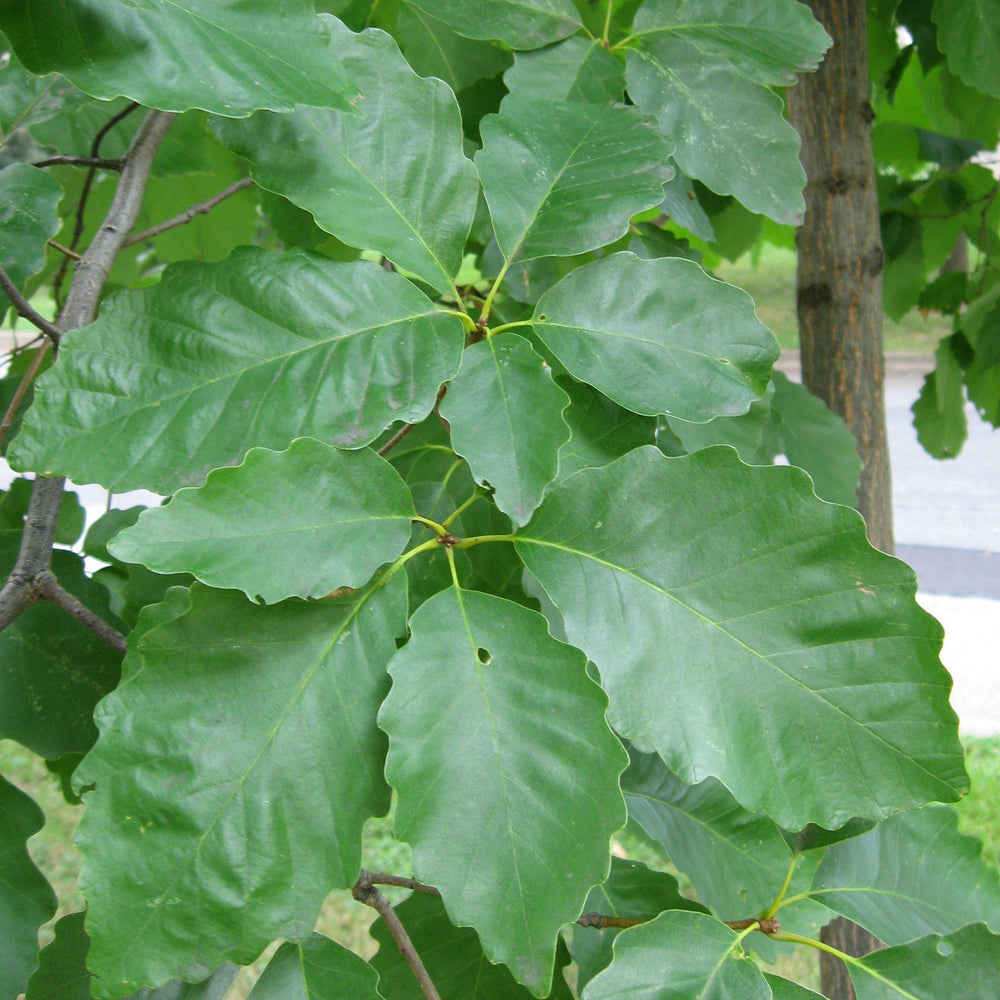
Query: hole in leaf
(944, 949)
(484, 656)
(541, 318)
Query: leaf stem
(454, 571)
(847, 959)
(400, 881)
(467, 543)
(607, 24)
(458, 511)
(365, 892)
(22, 388)
(491, 295)
(433, 525)
(467, 321)
(96, 162)
(776, 905)
(510, 326)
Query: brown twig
(31, 577)
(72, 254)
(22, 388)
(95, 162)
(23, 308)
(47, 586)
(365, 892)
(766, 925)
(381, 878)
(406, 428)
(185, 217)
(88, 183)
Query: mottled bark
(839, 289)
(839, 244)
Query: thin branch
(22, 388)
(95, 162)
(72, 254)
(185, 217)
(47, 586)
(406, 428)
(365, 892)
(88, 183)
(31, 577)
(23, 308)
(381, 878)
(766, 925)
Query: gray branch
(31, 578)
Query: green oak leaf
(939, 410)
(963, 964)
(632, 891)
(390, 177)
(296, 523)
(658, 336)
(680, 203)
(969, 36)
(816, 439)
(166, 53)
(578, 69)
(746, 432)
(668, 568)
(785, 989)
(680, 956)
(913, 875)
(261, 348)
(26, 899)
(432, 48)
(736, 860)
(453, 958)
(522, 24)
(484, 699)
(62, 971)
(316, 968)
(703, 71)
(29, 218)
(561, 178)
(506, 416)
(53, 671)
(202, 838)
(600, 429)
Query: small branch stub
(448, 539)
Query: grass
(347, 922)
(772, 284)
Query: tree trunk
(839, 282)
(839, 295)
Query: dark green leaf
(203, 840)
(52, 669)
(813, 837)
(681, 204)
(913, 875)
(745, 433)
(10, 383)
(506, 417)
(736, 860)
(702, 70)
(600, 430)
(29, 218)
(62, 971)
(561, 178)
(701, 566)
(453, 957)
(14, 507)
(391, 178)
(658, 336)
(969, 35)
(522, 24)
(816, 439)
(316, 969)
(26, 899)
(785, 989)
(939, 411)
(680, 956)
(434, 49)
(578, 69)
(963, 965)
(483, 698)
(296, 523)
(632, 891)
(167, 54)
(262, 348)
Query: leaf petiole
(467, 543)
(776, 905)
(433, 525)
(458, 511)
(510, 326)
